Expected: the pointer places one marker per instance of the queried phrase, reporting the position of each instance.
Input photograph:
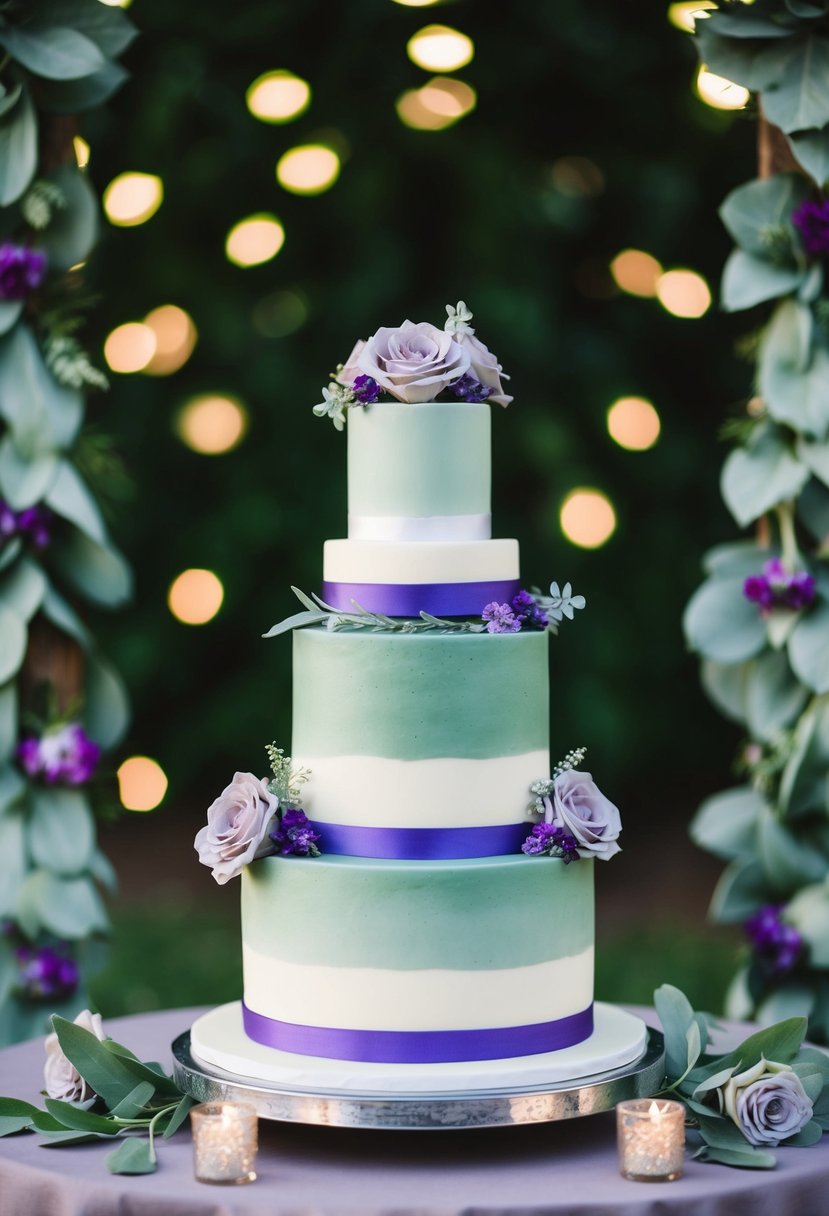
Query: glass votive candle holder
(225, 1140)
(651, 1137)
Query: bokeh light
(82, 151)
(577, 177)
(439, 48)
(130, 347)
(278, 96)
(212, 424)
(720, 93)
(636, 272)
(683, 293)
(142, 783)
(417, 3)
(254, 240)
(587, 518)
(684, 14)
(132, 198)
(633, 423)
(195, 596)
(175, 339)
(308, 169)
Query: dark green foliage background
(418, 219)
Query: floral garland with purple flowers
(415, 363)
(760, 621)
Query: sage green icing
(419, 460)
(469, 915)
(412, 697)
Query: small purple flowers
(66, 756)
(551, 841)
(500, 618)
(21, 270)
(811, 219)
(294, 834)
(33, 524)
(522, 611)
(46, 974)
(469, 388)
(776, 942)
(528, 612)
(366, 390)
(776, 588)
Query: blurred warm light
(587, 518)
(254, 240)
(308, 169)
(755, 407)
(412, 113)
(132, 198)
(720, 93)
(212, 424)
(447, 97)
(633, 423)
(116, 3)
(416, 3)
(683, 14)
(195, 596)
(82, 151)
(130, 347)
(577, 177)
(175, 339)
(278, 96)
(439, 48)
(683, 293)
(279, 314)
(636, 272)
(142, 783)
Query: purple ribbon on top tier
(419, 1046)
(422, 844)
(410, 599)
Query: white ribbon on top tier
(428, 528)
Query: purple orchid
(66, 756)
(776, 588)
(294, 834)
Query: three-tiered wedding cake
(425, 919)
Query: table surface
(568, 1167)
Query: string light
(132, 198)
(212, 424)
(175, 339)
(142, 783)
(129, 348)
(684, 14)
(278, 97)
(720, 93)
(82, 151)
(587, 518)
(633, 423)
(636, 272)
(308, 169)
(416, 3)
(195, 596)
(254, 240)
(439, 48)
(683, 293)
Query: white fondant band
(429, 527)
(366, 998)
(372, 791)
(377, 561)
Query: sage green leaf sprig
(132, 1105)
(317, 612)
(769, 1092)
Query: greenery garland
(760, 621)
(58, 60)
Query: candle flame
(655, 1113)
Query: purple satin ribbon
(410, 599)
(419, 1046)
(422, 844)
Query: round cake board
(621, 1059)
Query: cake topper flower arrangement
(416, 363)
(255, 817)
(576, 819)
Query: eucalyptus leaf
(79, 1120)
(803, 781)
(794, 378)
(103, 871)
(25, 478)
(16, 1108)
(61, 830)
(179, 1115)
(725, 685)
(70, 497)
(726, 824)
(12, 787)
(773, 695)
(10, 551)
(815, 456)
(8, 721)
(677, 1016)
(761, 476)
(692, 1037)
(132, 1157)
(747, 1158)
(22, 588)
(11, 1124)
(103, 1071)
(714, 1081)
(808, 911)
(52, 51)
(787, 1001)
(57, 610)
(12, 643)
(742, 888)
(109, 28)
(73, 230)
(811, 150)
(749, 280)
(10, 311)
(42, 414)
(755, 212)
(809, 648)
(14, 861)
(70, 908)
(736, 560)
(134, 1103)
(789, 863)
(799, 99)
(806, 1137)
(76, 96)
(746, 62)
(780, 1043)
(98, 572)
(106, 707)
(18, 149)
(721, 624)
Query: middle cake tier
(420, 745)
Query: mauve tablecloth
(312, 1171)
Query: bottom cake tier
(418, 962)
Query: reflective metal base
(422, 1112)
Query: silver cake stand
(424, 1112)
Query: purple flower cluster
(510, 618)
(33, 524)
(294, 834)
(553, 841)
(811, 219)
(66, 756)
(45, 973)
(366, 390)
(469, 388)
(775, 941)
(775, 588)
(21, 270)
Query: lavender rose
(350, 370)
(485, 367)
(63, 1081)
(413, 362)
(578, 806)
(767, 1102)
(237, 826)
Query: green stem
(788, 539)
(165, 1110)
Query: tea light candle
(224, 1142)
(651, 1140)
